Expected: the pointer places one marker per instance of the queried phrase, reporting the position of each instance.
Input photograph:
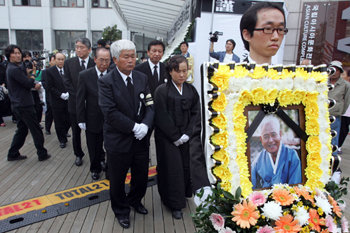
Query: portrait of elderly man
(276, 163)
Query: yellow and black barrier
(41, 208)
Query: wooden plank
(187, 218)
(157, 211)
(109, 220)
(45, 227)
(90, 218)
(100, 216)
(67, 223)
(79, 220)
(149, 223)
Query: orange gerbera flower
(315, 221)
(325, 231)
(336, 208)
(246, 214)
(286, 224)
(304, 193)
(283, 197)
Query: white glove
(82, 125)
(207, 192)
(67, 95)
(141, 133)
(63, 96)
(184, 138)
(178, 142)
(136, 128)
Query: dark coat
(146, 69)
(55, 87)
(19, 86)
(119, 115)
(71, 73)
(88, 110)
(176, 115)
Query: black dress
(181, 170)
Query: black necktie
(61, 72)
(83, 64)
(130, 88)
(155, 74)
(101, 75)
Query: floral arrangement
(282, 209)
(232, 87)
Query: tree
(111, 34)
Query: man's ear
(246, 35)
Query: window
(30, 40)
(66, 39)
(27, 2)
(100, 3)
(4, 39)
(2, 2)
(69, 3)
(96, 35)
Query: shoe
(41, 127)
(95, 175)
(68, 135)
(103, 166)
(44, 157)
(20, 157)
(3, 124)
(141, 209)
(177, 214)
(47, 132)
(62, 145)
(78, 161)
(124, 221)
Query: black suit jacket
(119, 115)
(146, 69)
(55, 86)
(88, 110)
(71, 73)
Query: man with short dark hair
(89, 115)
(189, 57)
(154, 69)
(225, 56)
(59, 98)
(263, 27)
(19, 87)
(72, 67)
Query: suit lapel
(91, 63)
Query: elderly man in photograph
(127, 106)
(276, 163)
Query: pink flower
(218, 221)
(266, 229)
(257, 198)
(330, 224)
(344, 224)
(226, 230)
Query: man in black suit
(72, 67)
(89, 115)
(59, 98)
(153, 68)
(48, 112)
(19, 87)
(127, 106)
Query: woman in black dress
(180, 159)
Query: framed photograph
(276, 153)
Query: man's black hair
(84, 41)
(26, 53)
(11, 49)
(250, 17)
(101, 48)
(233, 42)
(184, 42)
(102, 42)
(155, 42)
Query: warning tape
(40, 208)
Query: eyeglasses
(269, 30)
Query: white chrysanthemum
(323, 204)
(302, 215)
(272, 210)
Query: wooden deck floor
(29, 178)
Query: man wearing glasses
(263, 27)
(89, 115)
